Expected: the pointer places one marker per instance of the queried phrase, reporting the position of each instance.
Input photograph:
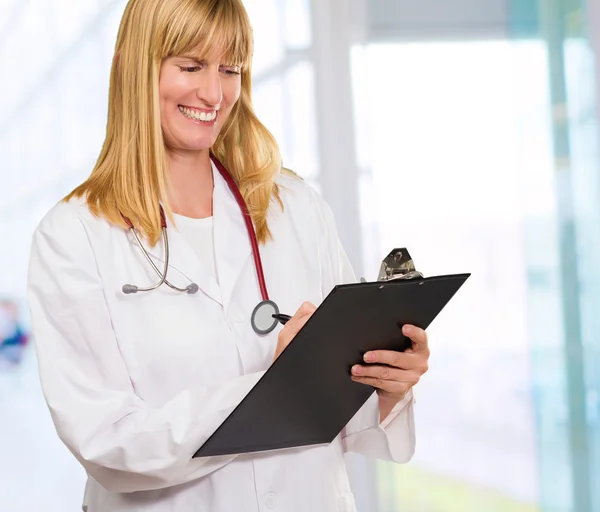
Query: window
(442, 138)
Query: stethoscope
(265, 315)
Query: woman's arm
(377, 430)
(123, 443)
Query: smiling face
(196, 98)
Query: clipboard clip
(398, 264)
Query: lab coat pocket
(346, 503)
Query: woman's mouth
(199, 116)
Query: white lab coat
(136, 383)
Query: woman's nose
(210, 90)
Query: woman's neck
(191, 178)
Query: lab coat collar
(184, 265)
(231, 242)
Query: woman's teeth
(198, 116)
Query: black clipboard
(307, 397)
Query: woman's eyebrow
(197, 60)
(193, 58)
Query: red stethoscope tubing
(247, 220)
(249, 226)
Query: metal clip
(398, 265)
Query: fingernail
(369, 357)
(407, 330)
(356, 370)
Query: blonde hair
(130, 177)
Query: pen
(282, 319)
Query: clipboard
(307, 396)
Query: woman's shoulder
(67, 218)
(304, 202)
(295, 191)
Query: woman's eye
(231, 71)
(191, 69)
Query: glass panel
(568, 367)
(8, 12)
(265, 16)
(445, 183)
(24, 65)
(83, 116)
(300, 121)
(297, 23)
(286, 106)
(268, 99)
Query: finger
(307, 308)
(294, 324)
(378, 372)
(418, 337)
(391, 358)
(385, 373)
(389, 386)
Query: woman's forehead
(218, 51)
(210, 41)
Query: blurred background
(465, 130)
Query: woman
(137, 382)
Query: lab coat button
(271, 501)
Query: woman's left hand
(392, 373)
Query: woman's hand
(393, 374)
(293, 326)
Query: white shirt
(137, 383)
(199, 234)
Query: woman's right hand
(293, 326)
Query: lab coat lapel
(183, 260)
(232, 244)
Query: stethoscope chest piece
(262, 317)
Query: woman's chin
(193, 146)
